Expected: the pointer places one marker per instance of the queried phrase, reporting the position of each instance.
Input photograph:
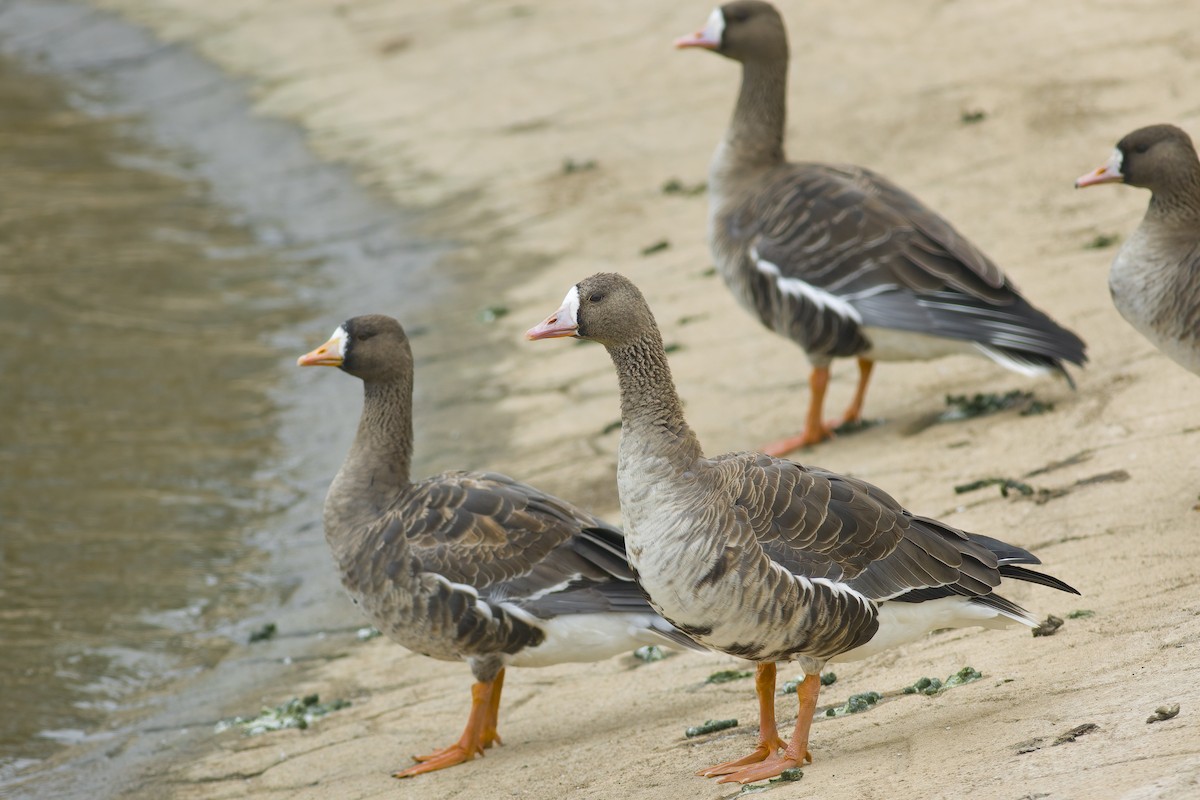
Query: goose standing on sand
(840, 259)
(1155, 278)
(763, 558)
(467, 566)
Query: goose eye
(362, 337)
(1140, 148)
(595, 297)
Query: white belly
(1144, 285)
(589, 637)
(900, 623)
(888, 344)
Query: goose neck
(755, 133)
(376, 470)
(651, 411)
(1179, 204)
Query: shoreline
(259, 172)
(474, 113)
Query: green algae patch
(927, 686)
(789, 774)
(649, 653)
(1164, 713)
(263, 634)
(964, 675)
(299, 712)
(980, 404)
(1049, 626)
(856, 426)
(1006, 485)
(493, 313)
(932, 686)
(676, 186)
(1102, 240)
(711, 726)
(855, 704)
(727, 675)
(572, 166)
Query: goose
(467, 566)
(838, 258)
(1155, 277)
(763, 558)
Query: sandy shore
(474, 110)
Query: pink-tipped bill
(330, 354)
(710, 37)
(696, 39)
(1109, 173)
(563, 322)
(553, 328)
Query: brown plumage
(1155, 277)
(470, 566)
(767, 559)
(840, 259)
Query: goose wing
(507, 539)
(834, 249)
(818, 524)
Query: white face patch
(569, 312)
(1115, 161)
(339, 336)
(714, 29)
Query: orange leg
(815, 430)
(480, 732)
(768, 734)
(854, 410)
(490, 734)
(796, 752)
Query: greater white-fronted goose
(467, 566)
(763, 558)
(1155, 277)
(841, 260)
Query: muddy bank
(168, 253)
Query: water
(164, 257)
(137, 419)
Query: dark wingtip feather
(1009, 555)
(1022, 574)
(1041, 361)
(1005, 606)
(1067, 376)
(1004, 552)
(604, 547)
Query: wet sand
(473, 112)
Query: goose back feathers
(472, 566)
(838, 257)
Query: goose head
(373, 348)
(1157, 157)
(605, 308)
(746, 30)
